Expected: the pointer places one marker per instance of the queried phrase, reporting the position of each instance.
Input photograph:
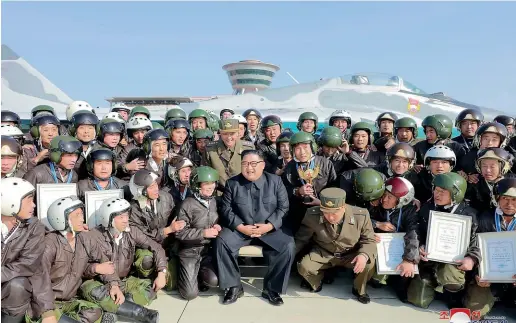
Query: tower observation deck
(250, 75)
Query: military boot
(12, 319)
(67, 319)
(137, 312)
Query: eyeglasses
(253, 164)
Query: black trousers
(195, 268)
(279, 263)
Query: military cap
(332, 198)
(229, 125)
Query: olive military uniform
(227, 161)
(336, 244)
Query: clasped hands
(255, 230)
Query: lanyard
(399, 219)
(310, 166)
(183, 195)
(99, 188)
(54, 175)
(498, 223)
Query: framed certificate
(498, 250)
(390, 253)
(47, 194)
(94, 200)
(448, 237)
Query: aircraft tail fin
(24, 87)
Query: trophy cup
(308, 176)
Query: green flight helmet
(140, 109)
(408, 123)
(203, 174)
(369, 185)
(367, 127)
(64, 145)
(283, 137)
(453, 183)
(42, 108)
(198, 113)
(175, 113)
(203, 134)
(302, 137)
(307, 116)
(213, 122)
(442, 124)
(157, 125)
(330, 137)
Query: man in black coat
(253, 207)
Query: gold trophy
(308, 175)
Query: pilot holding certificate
(396, 213)
(449, 279)
(480, 295)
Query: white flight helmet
(440, 152)
(240, 119)
(136, 123)
(109, 209)
(14, 190)
(116, 116)
(120, 106)
(176, 165)
(340, 114)
(77, 106)
(140, 181)
(10, 131)
(60, 209)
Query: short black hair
(256, 152)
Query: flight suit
(19, 173)
(270, 152)
(435, 276)
(195, 253)
(151, 222)
(483, 298)
(227, 161)
(405, 220)
(325, 178)
(184, 150)
(198, 158)
(336, 245)
(88, 184)
(122, 254)
(343, 162)
(65, 267)
(22, 250)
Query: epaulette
(359, 210)
(211, 145)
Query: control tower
(250, 75)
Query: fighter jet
(363, 95)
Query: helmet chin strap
(69, 228)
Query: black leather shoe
(364, 299)
(203, 288)
(374, 283)
(233, 294)
(306, 285)
(273, 297)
